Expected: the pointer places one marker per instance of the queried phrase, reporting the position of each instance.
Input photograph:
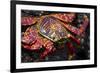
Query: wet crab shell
(51, 28)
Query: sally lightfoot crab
(52, 32)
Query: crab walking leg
(73, 38)
(83, 27)
(71, 50)
(29, 36)
(72, 29)
(29, 20)
(69, 17)
(46, 52)
(66, 17)
(80, 30)
(49, 48)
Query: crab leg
(69, 17)
(28, 20)
(49, 47)
(73, 38)
(72, 29)
(71, 50)
(83, 27)
(66, 17)
(80, 30)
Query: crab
(43, 31)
